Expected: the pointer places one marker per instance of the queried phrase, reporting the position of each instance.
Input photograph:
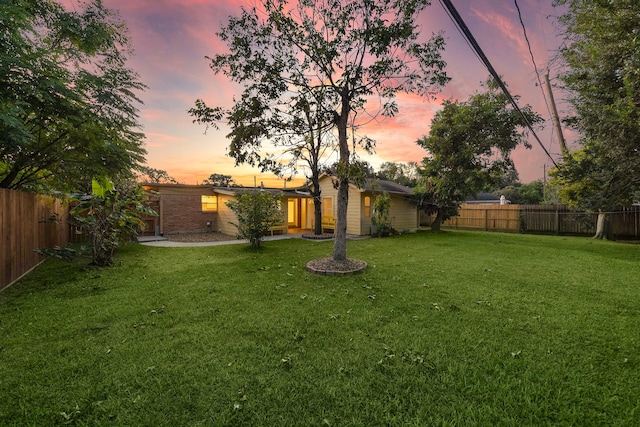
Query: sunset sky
(172, 37)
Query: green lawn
(442, 329)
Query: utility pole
(556, 119)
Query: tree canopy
(403, 173)
(469, 147)
(523, 194)
(337, 56)
(220, 180)
(67, 99)
(151, 175)
(602, 54)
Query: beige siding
(226, 216)
(404, 214)
(365, 226)
(354, 212)
(327, 190)
(326, 187)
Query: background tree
(67, 99)
(602, 52)
(339, 53)
(402, 173)
(257, 211)
(509, 178)
(318, 145)
(469, 148)
(150, 175)
(220, 180)
(522, 194)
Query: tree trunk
(315, 149)
(340, 242)
(317, 211)
(9, 179)
(437, 222)
(600, 232)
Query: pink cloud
(506, 28)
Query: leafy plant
(68, 102)
(257, 212)
(111, 216)
(469, 147)
(381, 218)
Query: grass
(451, 329)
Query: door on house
(293, 213)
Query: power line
(460, 31)
(533, 60)
(453, 13)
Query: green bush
(111, 216)
(257, 212)
(381, 218)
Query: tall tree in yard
(469, 148)
(67, 99)
(337, 54)
(602, 54)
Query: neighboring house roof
(483, 198)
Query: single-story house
(185, 208)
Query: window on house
(327, 206)
(367, 206)
(209, 203)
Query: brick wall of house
(183, 214)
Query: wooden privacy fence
(487, 217)
(27, 222)
(544, 219)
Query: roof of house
(234, 191)
(172, 185)
(381, 185)
(371, 184)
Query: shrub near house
(381, 220)
(257, 212)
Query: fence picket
(27, 223)
(543, 219)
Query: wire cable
(533, 60)
(453, 13)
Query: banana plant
(112, 216)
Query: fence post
(557, 224)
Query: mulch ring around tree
(329, 267)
